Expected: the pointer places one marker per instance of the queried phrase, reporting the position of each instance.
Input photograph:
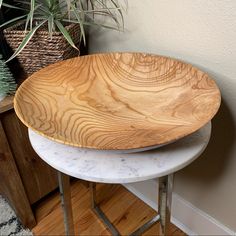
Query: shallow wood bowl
(117, 101)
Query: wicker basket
(42, 50)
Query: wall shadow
(215, 160)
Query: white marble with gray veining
(109, 167)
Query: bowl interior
(117, 101)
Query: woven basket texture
(42, 50)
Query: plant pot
(42, 50)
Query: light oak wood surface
(117, 101)
(125, 210)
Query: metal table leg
(164, 203)
(146, 226)
(64, 186)
(100, 213)
(164, 206)
(107, 222)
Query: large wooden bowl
(117, 101)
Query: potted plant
(52, 30)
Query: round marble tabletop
(111, 167)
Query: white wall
(202, 32)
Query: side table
(121, 168)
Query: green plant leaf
(26, 40)
(50, 25)
(27, 22)
(32, 6)
(91, 23)
(10, 6)
(105, 8)
(80, 23)
(0, 3)
(92, 6)
(47, 2)
(12, 20)
(30, 16)
(120, 12)
(68, 3)
(65, 34)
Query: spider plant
(56, 14)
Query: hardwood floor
(125, 211)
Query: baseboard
(185, 216)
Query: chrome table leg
(64, 186)
(107, 222)
(146, 226)
(164, 206)
(100, 213)
(164, 203)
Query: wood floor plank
(124, 210)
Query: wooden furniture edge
(6, 104)
(13, 191)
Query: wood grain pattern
(37, 176)
(24, 177)
(6, 104)
(117, 101)
(124, 209)
(11, 186)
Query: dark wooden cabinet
(24, 177)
